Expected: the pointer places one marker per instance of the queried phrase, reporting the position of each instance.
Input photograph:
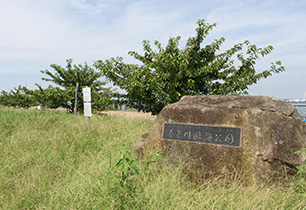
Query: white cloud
(25, 27)
(92, 8)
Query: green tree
(18, 97)
(67, 80)
(168, 73)
(53, 97)
(5, 98)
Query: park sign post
(87, 103)
(87, 94)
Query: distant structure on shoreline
(299, 104)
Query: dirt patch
(130, 114)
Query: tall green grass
(45, 163)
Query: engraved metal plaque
(229, 136)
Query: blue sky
(36, 33)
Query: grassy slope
(46, 164)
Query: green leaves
(127, 169)
(300, 175)
(278, 63)
(18, 97)
(64, 94)
(167, 73)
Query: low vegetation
(45, 163)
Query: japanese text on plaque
(229, 136)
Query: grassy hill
(45, 163)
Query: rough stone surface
(271, 131)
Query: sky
(35, 34)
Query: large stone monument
(254, 137)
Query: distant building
(299, 104)
(122, 107)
